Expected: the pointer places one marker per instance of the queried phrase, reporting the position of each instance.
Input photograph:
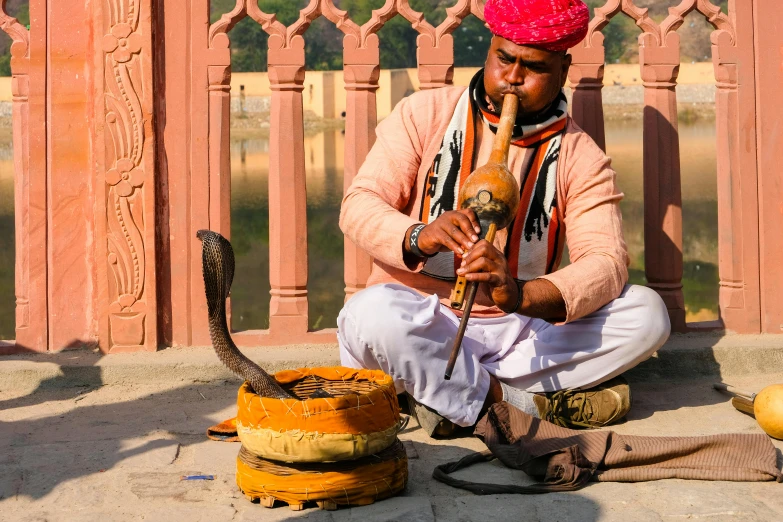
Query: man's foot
(594, 407)
(429, 420)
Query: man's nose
(515, 75)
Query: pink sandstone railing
(155, 142)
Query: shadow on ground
(81, 447)
(85, 375)
(45, 432)
(649, 398)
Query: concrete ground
(104, 449)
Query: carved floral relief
(125, 176)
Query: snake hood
(218, 267)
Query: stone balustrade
(121, 112)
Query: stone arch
(719, 20)
(218, 31)
(603, 15)
(18, 34)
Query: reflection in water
(699, 213)
(324, 164)
(7, 295)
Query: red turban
(554, 25)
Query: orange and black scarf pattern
(536, 236)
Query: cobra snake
(218, 266)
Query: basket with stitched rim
(337, 414)
(355, 482)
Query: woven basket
(360, 418)
(357, 482)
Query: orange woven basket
(355, 482)
(358, 416)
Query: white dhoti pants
(395, 329)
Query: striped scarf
(535, 239)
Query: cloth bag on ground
(566, 460)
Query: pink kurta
(384, 200)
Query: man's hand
(486, 264)
(540, 298)
(455, 230)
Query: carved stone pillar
(662, 190)
(219, 77)
(126, 168)
(30, 148)
(219, 149)
(361, 71)
(72, 186)
(768, 36)
(587, 79)
(287, 190)
(198, 195)
(738, 233)
(28, 87)
(20, 89)
(436, 62)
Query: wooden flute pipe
(493, 195)
(463, 323)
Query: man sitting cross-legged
(552, 342)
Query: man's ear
(565, 66)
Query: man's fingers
(456, 231)
(468, 224)
(479, 265)
(461, 239)
(482, 249)
(452, 244)
(474, 224)
(474, 221)
(484, 264)
(483, 276)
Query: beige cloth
(384, 200)
(566, 459)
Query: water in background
(7, 296)
(324, 164)
(250, 230)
